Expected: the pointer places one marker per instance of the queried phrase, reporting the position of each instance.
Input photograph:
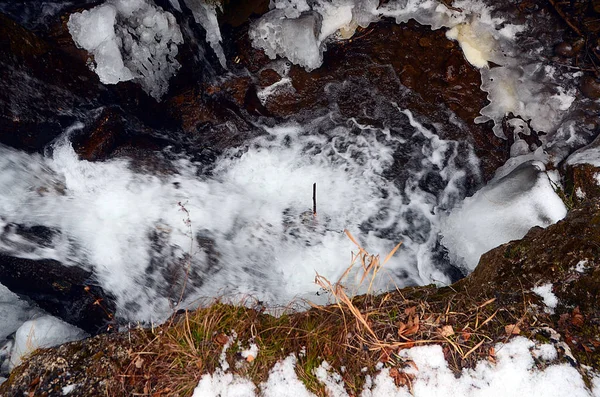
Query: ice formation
(41, 332)
(521, 85)
(504, 210)
(130, 40)
(526, 92)
(205, 14)
(587, 155)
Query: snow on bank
(515, 373)
(545, 292)
(130, 40)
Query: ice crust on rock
(587, 155)
(294, 38)
(521, 85)
(130, 40)
(504, 210)
(42, 332)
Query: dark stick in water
(314, 199)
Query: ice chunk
(42, 332)
(205, 14)
(130, 40)
(291, 8)
(477, 46)
(502, 211)
(523, 91)
(295, 39)
(587, 155)
(13, 312)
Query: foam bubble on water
(249, 227)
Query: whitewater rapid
(247, 229)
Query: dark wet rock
(93, 366)
(590, 87)
(42, 91)
(390, 58)
(566, 255)
(99, 141)
(67, 292)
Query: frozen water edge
(514, 373)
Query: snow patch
(581, 266)
(252, 351)
(68, 389)
(514, 373)
(545, 292)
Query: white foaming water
(251, 228)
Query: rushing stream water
(166, 237)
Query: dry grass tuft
(355, 332)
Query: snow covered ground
(517, 368)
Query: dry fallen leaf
(139, 362)
(222, 339)
(447, 331)
(512, 329)
(492, 355)
(577, 318)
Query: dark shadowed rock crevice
(67, 292)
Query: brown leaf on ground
(222, 339)
(402, 378)
(139, 362)
(492, 355)
(447, 331)
(577, 318)
(512, 329)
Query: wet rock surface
(565, 255)
(67, 292)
